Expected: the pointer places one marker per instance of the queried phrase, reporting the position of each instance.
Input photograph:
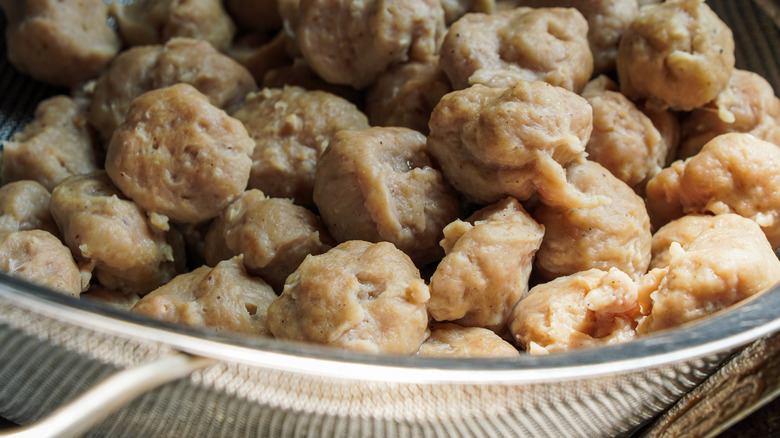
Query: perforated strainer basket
(193, 383)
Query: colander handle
(93, 406)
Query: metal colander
(54, 348)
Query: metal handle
(93, 406)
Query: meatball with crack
(60, 42)
(452, 340)
(676, 54)
(291, 127)
(379, 184)
(180, 156)
(273, 234)
(486, 267)
(585, 309)
(733, 173)
(223, 298)
(352, 43)
(359, 296)
(40, 257)
(129, 252)
(144, 68)
(725, 263)
(524, 44)
(615, 234)
(25, 205)
(498, 142)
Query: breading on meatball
(452, 340)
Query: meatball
(733, 173)
(728, 261)
(260, 15)
(60, 42)
(487, 266)
(624, 140)
(57, 144)
(145, 22)
(589, 308)
(406, 94)
(180, 156)
(615, 234)
(141, 69)
(261, 54)
(378, 184)
(24, 205)
(454, 9)
(748, 104)
(223, 298)
(352, 43)
(291, 128)
(39, 257)
(110, 297)
(498, 142)
(452, 340)
(524, 44)
(676, 54)
(128, 250)
(357, 296)
(273, 234)
(684, 231)
(299, 74)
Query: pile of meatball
(449, 178)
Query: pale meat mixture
(523, 44)
(486, 267)
(352, 43)
(733, 173)
(291, 127)
(360, 296)
(223, 298)
(614, 234)
(273, 234)
(452, 340)
(727, 262)
(60, 42)
(145, 22)
(379, 184)
(40, 257)
(676, 54)
(57, 144)
(497, 142)
(113, 235)
(25, 205)
(141, 69)
(179, 156)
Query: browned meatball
(57, 144)
(291, 127)
(273, 234)
(615, 234)
(39, 257)
(454, 9)
(128, 250)
(733, 173)
(725, 263)
(487, 266)
(357, 296)
(406, 94)
(24, 205)
(585, 309)
(452, 340)
(60, 42)
(145, 22)
(624, 140)
(140, 69)
(352, 43)
(378, 184)
(497, 142)
(524, 44)
(748, 104)
(255, 14)
(110, 297)
(180, 156)
(223, 298)
(676, 54)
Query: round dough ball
(676, 54)
(39, 257)
(357, 296)
(25, 205)
(378, 184)
(452, 340)
(180, 156)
